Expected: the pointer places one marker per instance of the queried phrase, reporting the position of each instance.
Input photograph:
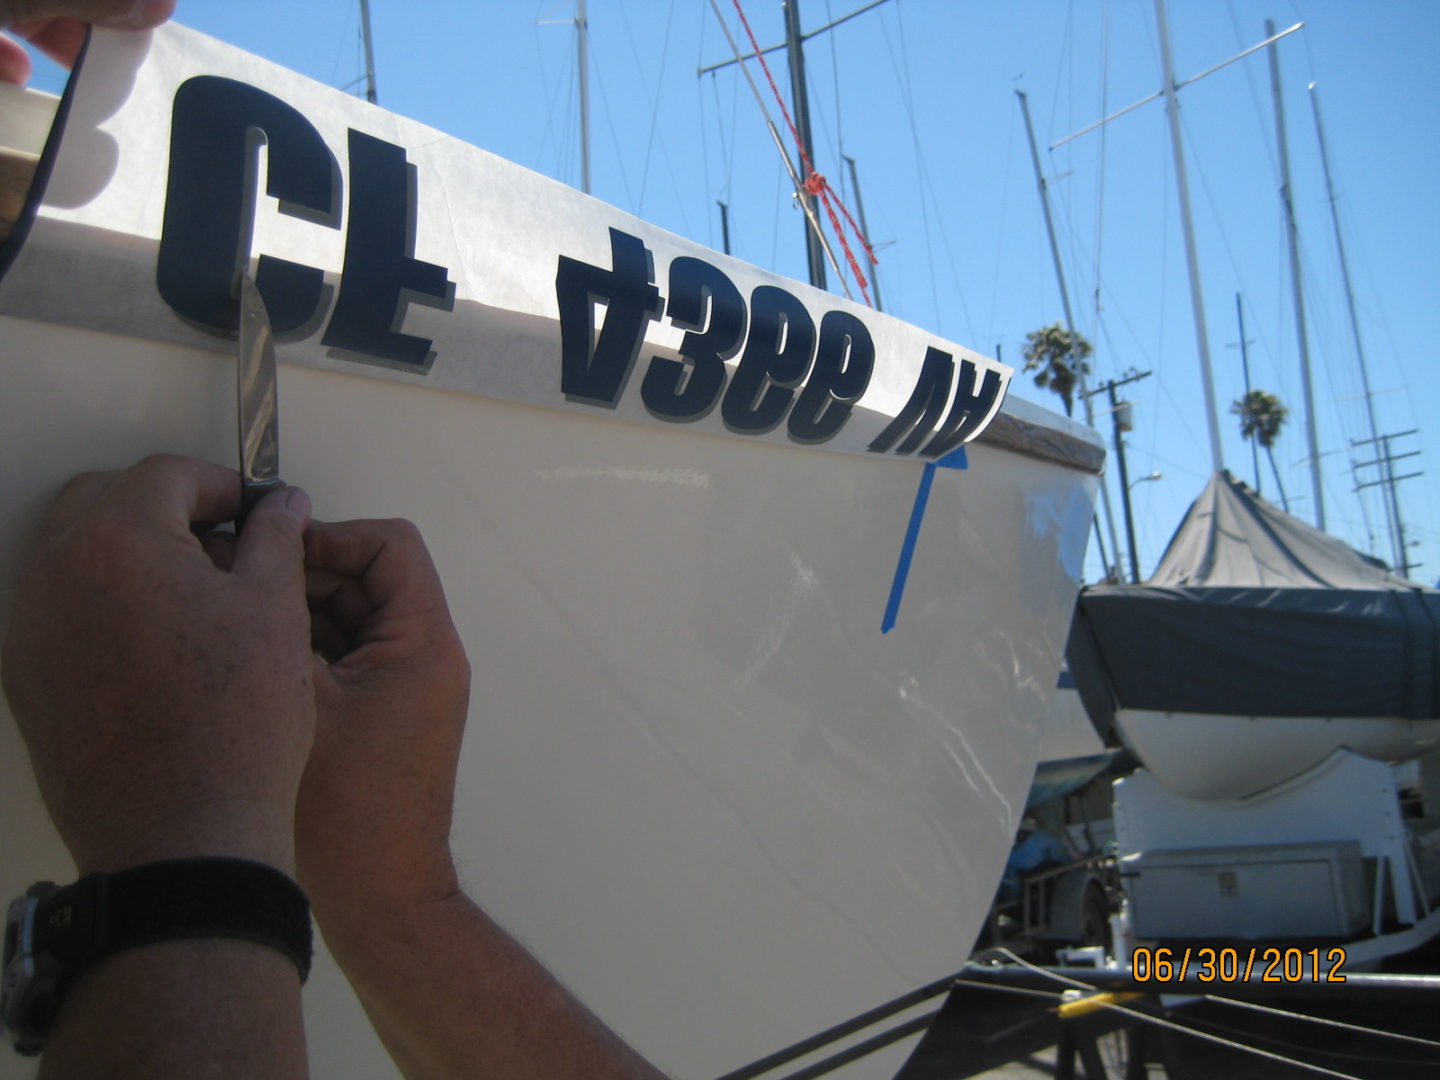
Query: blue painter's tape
(956, 459)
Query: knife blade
(257, 399)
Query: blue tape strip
(956, 459)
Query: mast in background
(816, 248)
(582, 73)
(1070, 326)
(865, 232)
(1245, 367)
(1192, 258)
(1182, 183)
(582, 51)
(1292, 235)
(369, 41)
(1400, 553)
(800, 98)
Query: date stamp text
(1270, 964)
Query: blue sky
(921, 93)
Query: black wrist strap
(181, 899)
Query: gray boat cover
(1252, 612)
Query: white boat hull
(699, 781)
(1232, 757)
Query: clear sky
(921, 93)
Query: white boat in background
(1273, 683)
(717, 776)
(1259, 647)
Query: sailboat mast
(369, 41)
(800, 97)
(1292, 236)
(1044, 189)
(1192, 259)
(1245, 366)
(582, 51)
(865, 232)
(1392, 504)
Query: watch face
(28, 983)
(19, 972)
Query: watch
(54, 934)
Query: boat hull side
(698, 781)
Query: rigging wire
(928, 186)
(774, 132)
(835, 82)
(652, 97)
(704, 142)
(1148, 1018)
(1261, 124)
(902, 78)
(992, 333)
(1327, 1022)
(351, 20)
(727, 148)
(1315, 312)
(565, 110)
(600, 81)
(1102, 159)
(814, 183)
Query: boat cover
(1252, 612)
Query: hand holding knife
(257, 399)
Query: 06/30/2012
(1271, 964)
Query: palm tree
(1058, 360)
(1261, 418)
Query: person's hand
(373, 822)
(166, 701)
(57, 27)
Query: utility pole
(1122, 425)
(1386, 461)
(800, 98)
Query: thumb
(271, 547)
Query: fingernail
(297, 505)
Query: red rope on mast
(813, 182)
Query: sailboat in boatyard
(1276, 688)
(766, 591)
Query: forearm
(215, 1008)
(452, 995)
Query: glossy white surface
(1231, 757)
(698, 780)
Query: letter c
(217, 125)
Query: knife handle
(252, 493)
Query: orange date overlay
(1270, 964)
